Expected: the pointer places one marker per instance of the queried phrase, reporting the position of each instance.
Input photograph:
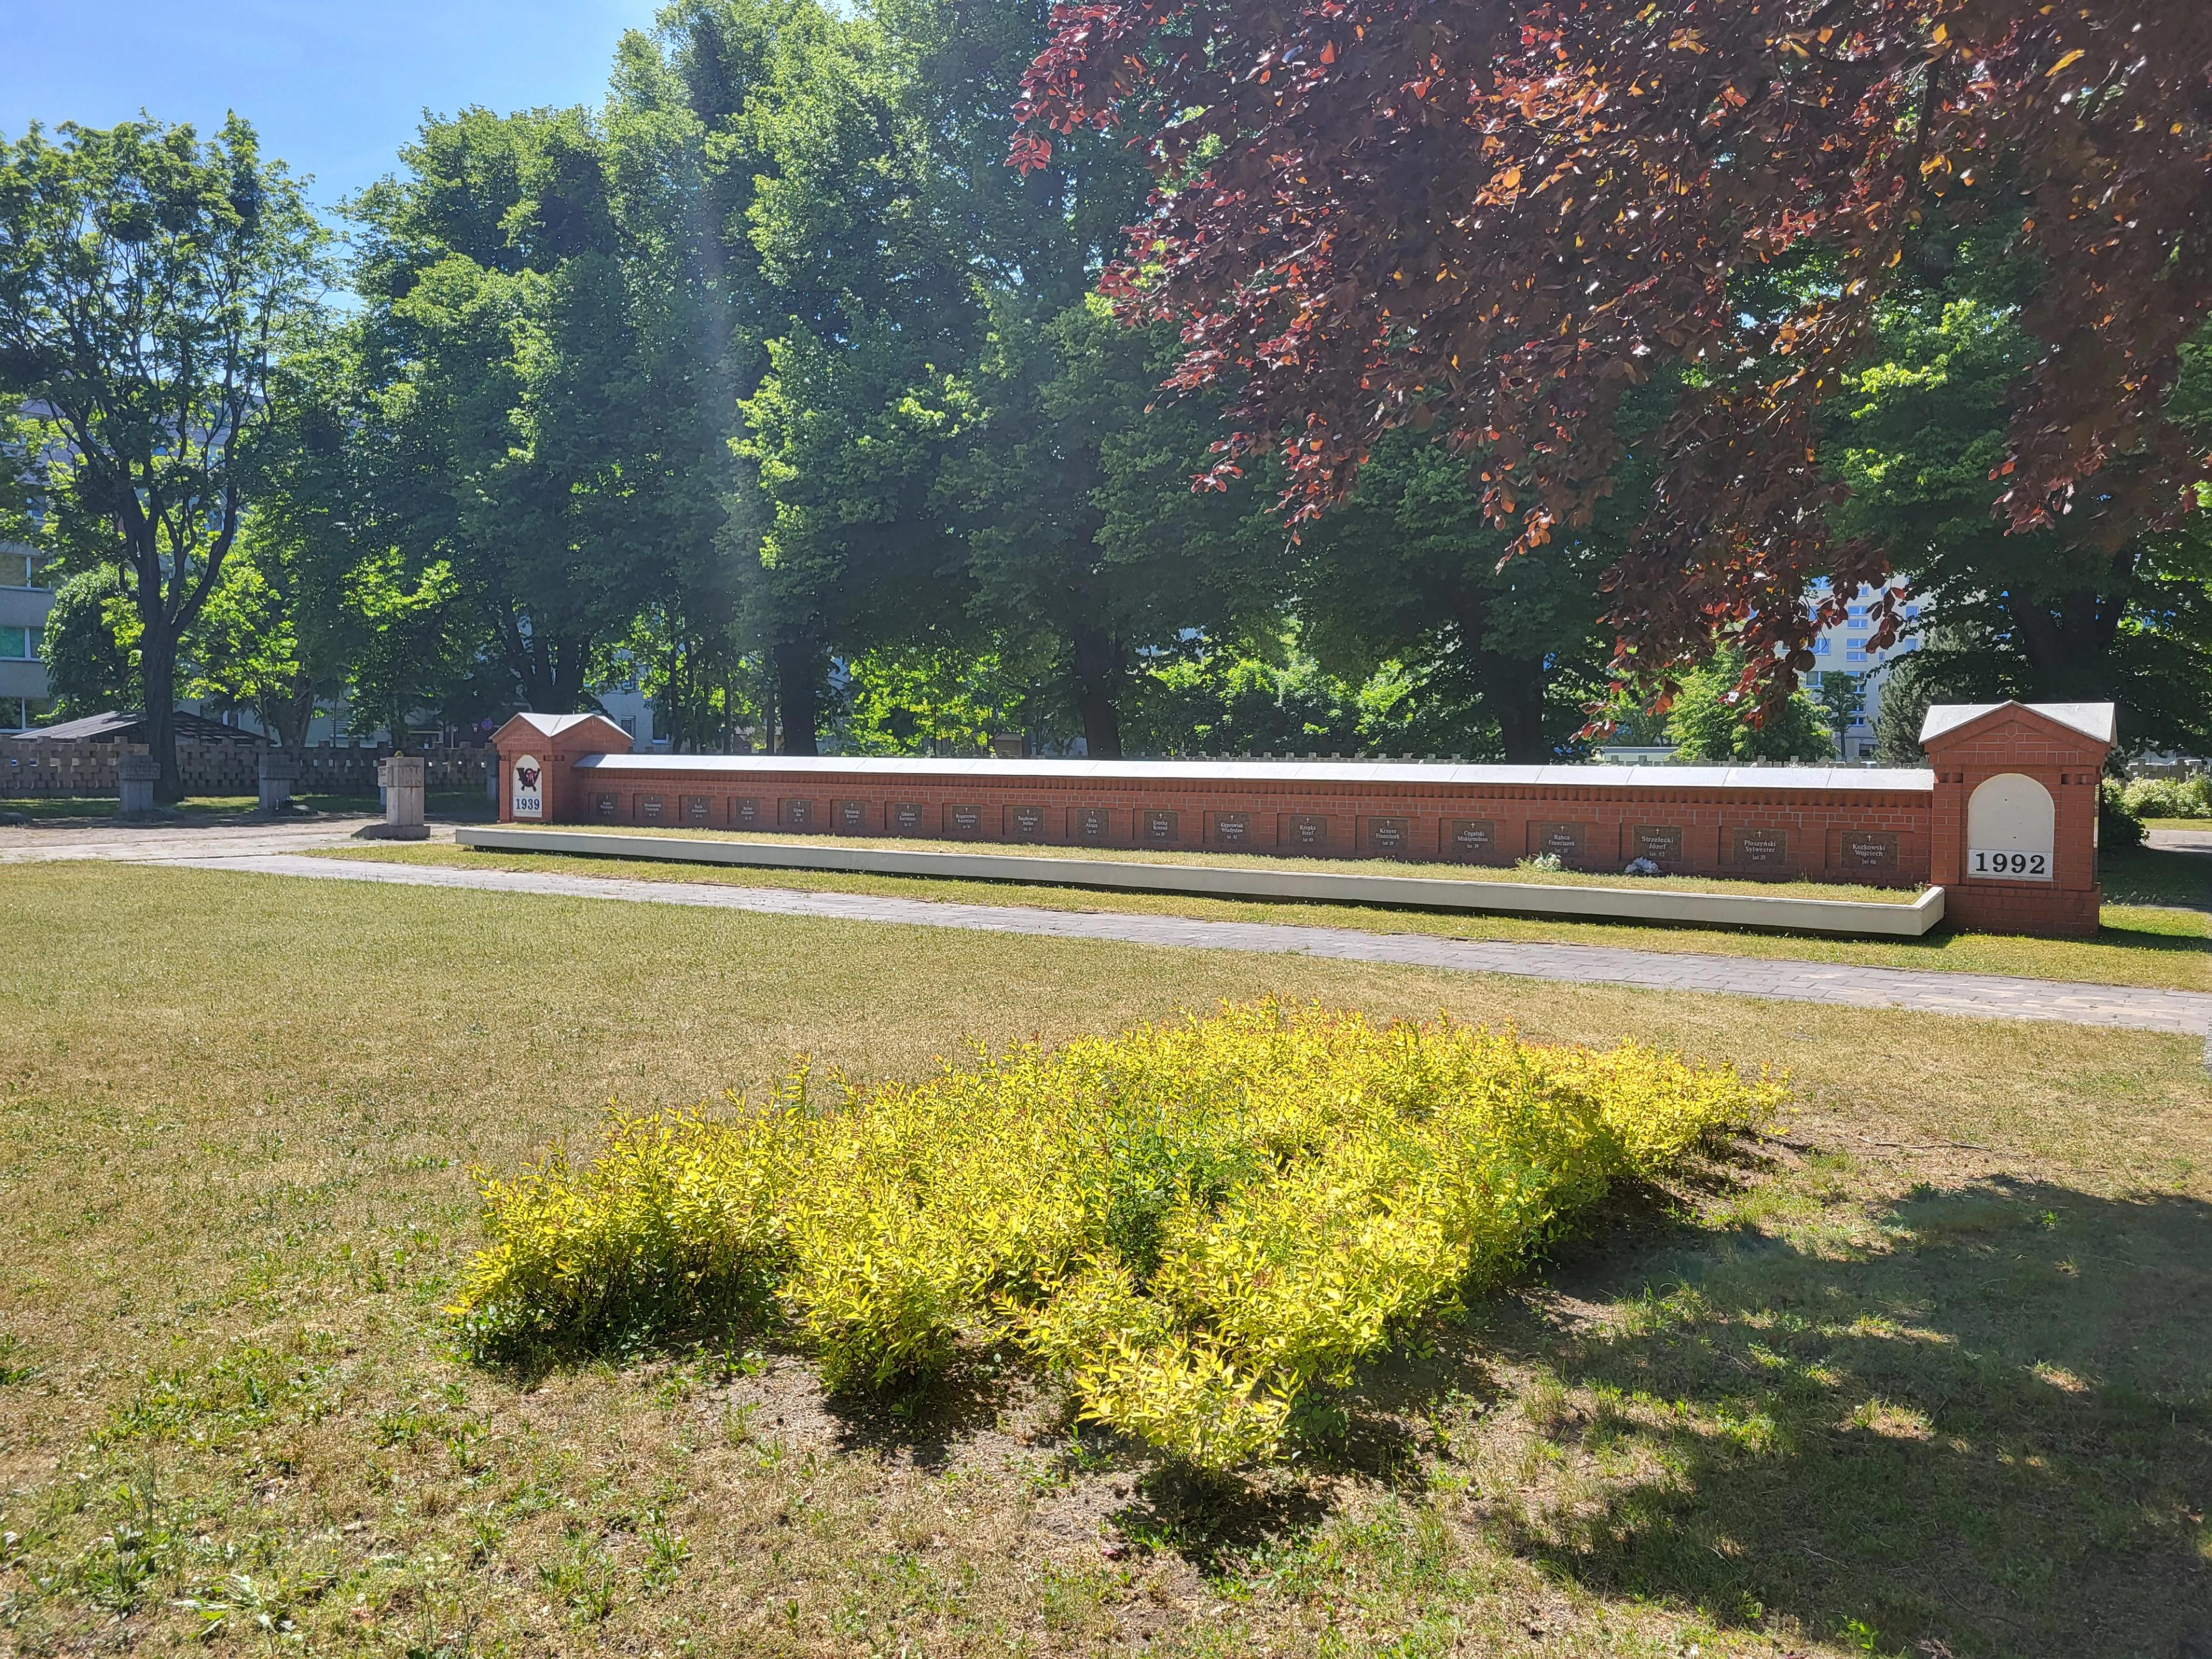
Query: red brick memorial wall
(1882, 828)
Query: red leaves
(1686, 148)
(1028, 152)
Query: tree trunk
(1097, 676)
(1515, 692)
(288, 715)
(2068, 641)
(798, 673)
(157, 665)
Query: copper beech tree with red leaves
(1498, 216)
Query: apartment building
(25, 599)
(1843, 648)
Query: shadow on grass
(1993, 1437)
(2157, 875)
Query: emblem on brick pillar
(529, 791)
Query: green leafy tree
(1082, 527)
(147, 282)
(89, 646)
(1506, 651)
(1841, 698)
(945, 702)
(411, 640)
(869, 309)
(2098, 604)
(1713, 719)
(548, 437)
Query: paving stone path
(1986, 996)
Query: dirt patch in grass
(1924, 1374)
(2160, 947)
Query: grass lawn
(1432, 871)
(2153, 942)
(1924, 1374)
(467, 805)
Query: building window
(1821, 648)
(21, 568)
(16, 645)
(1855, 655)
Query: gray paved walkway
(1975, 995)
(155, 844)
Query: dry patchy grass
(1924, 1374)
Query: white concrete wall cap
(1446, 775)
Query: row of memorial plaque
(1473, 839)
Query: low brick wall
(1828, 824)
(2012, 788)
(32, 766)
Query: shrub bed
(2164, 798)
(1192, 1222)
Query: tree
(546, 389)
(1842, 700)
(877, 310)
(1711, 719)
(1407, 569)
(2105, 603)
(146, 281)
(1906, 693)
(89, 645)
(1499, 217)
(1081, 526)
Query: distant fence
(29, 767)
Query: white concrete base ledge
(1661, 904)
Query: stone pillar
(137, 773)
(402, 778)
(280, 770)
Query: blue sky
(335, 87)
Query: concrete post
(402, 778)
(280, 770)
(137, 773)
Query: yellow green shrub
(1192, 1222)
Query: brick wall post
(556, 743)
(2002, 888)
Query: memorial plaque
(1304, 832)
(852, 817)
(1564, 841)
(1158, 827)
(907, 818)
(1390, 836)
(964, 822)
(797, 814)
(1470, 838)
(1089, 823)
(607, 806)
(1025, 822)
(745, 813)
(1660, 842)
(527, 798)
(1759, 849)
(1868, 849)
(698, 809)
(1229, 829)
(648, 808)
